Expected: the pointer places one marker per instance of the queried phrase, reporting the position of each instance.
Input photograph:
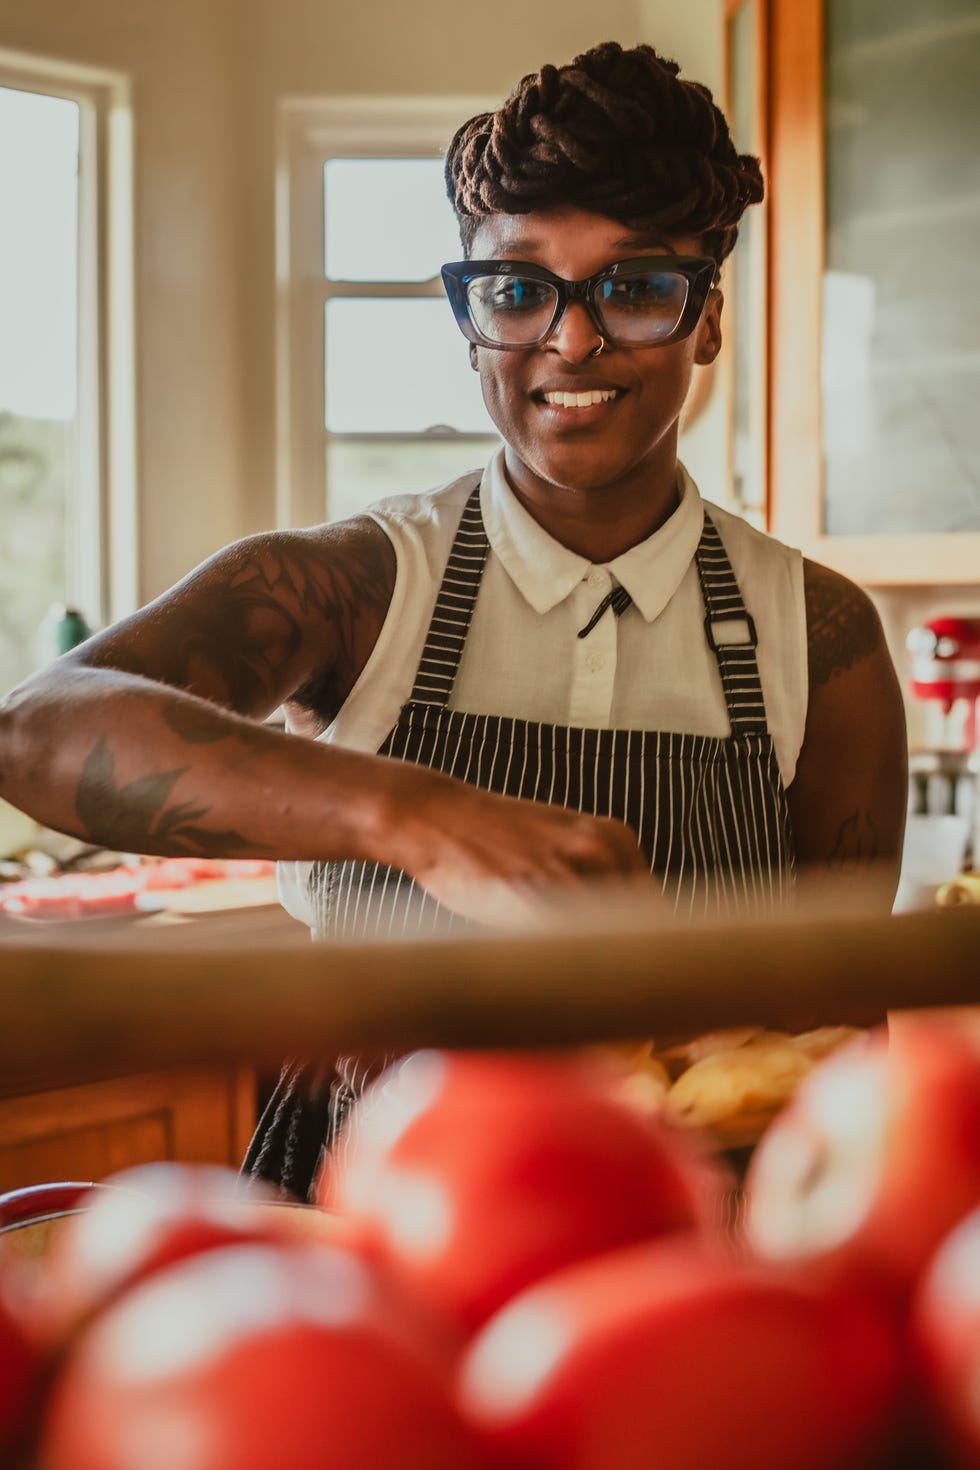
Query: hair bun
(615, 131)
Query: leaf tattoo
(136, 818)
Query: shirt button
(596, 579)
(595, 662)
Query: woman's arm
(149, 737)
(848, 799)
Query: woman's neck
(599, 522)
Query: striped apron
(709, 812)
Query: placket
(594, 656)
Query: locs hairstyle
(617, 132)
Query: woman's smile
(572, 404)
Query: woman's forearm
(138, 766)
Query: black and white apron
(709, 812)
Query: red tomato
(663, 1354)
(479, 1173)
(945, 1326)
(19, 1378)
(250, 1357)
(156, 1215)
(875, 1158)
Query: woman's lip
(570, 400)
(573, 413)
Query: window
(375, 395)
(63, 464)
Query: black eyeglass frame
(699, 272)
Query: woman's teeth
(581, 400)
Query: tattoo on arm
(236, 632)
(842, 625)
(136, 817)
(856, 845)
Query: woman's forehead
(567, 234)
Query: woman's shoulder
(746, 542)
(441, 505)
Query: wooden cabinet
(89, 1131)
(873, 329)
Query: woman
(579, 668)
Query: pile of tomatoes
(512, 1269)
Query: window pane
(397, 366)
(901, 314)
(387, 219)
(745, 296)
(38, 327)
(359, 472)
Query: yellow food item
(964, 889)
(739, 1090)
(824, 1039)
(645, 1087)
(685, 1053)
(730, 1082)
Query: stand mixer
(944, 668)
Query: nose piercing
(600, 345)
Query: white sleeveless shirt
(651, 669)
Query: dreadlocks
(616, 132)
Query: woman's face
(610, 443)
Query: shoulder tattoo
(241, 620)
(856, 844)
(842, 624)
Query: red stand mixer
(944, 668)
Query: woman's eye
(510, 293)
(638, 292)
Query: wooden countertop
(165, 996)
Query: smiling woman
(564, 669)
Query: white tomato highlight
(475, 1174)
(250, 1356)
(875, 1158)
(665, 1354)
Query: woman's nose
(576, 336)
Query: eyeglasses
(648, 302)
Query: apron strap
(731, 635)
(454, 608)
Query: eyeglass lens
(518, 310)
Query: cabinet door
(87, 1132)
(875, 344)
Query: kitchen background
(196, 414)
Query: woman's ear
(708, 342)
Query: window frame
(310, 132)
(101, 561)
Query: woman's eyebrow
(516, 246)
(642, 242)
(524, 246)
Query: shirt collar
(545, 572)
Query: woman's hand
(503, 861)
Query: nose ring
(600, 345)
